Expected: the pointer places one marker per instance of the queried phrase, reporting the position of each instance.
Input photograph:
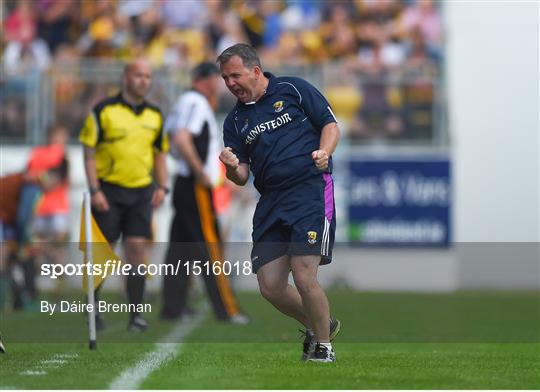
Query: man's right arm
(236, 172)
(240, 175)
(234, 156)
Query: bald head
(137, 80)
(137, 64)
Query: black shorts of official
(129, 214)
(300, 220)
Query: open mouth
(239, 93)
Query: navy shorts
(300, 220)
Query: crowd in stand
(177, 32)
(371, 48)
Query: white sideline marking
(74, 355)
(33, 373)
(131, 378)
(52, 363)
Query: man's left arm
(317, 108)
(329, 139)
(160, 172)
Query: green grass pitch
(388, 341)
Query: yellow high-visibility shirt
(125, 137)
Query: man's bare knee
(304, 271)
(272, 277)
(270, 286)
(304, 283)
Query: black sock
(17, 286)
(96, 295)
(96, 300)
(100, 323)
(4, 285)
(29, 269)
(135, 290)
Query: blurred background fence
(401, 107)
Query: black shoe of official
(2, 347)
(137, 324)
(309, 338)
(322, 354)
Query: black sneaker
(2, 347)
(308, 344)
(322, 354)
(309, 337)
(137, 324)
(335, 327)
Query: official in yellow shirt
(124, 159)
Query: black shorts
(297, 221)
(130, 212)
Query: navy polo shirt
(277, 134)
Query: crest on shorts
(278, 106)
(311, 237)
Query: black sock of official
(135, 290)
(100, 323)
(29, 269)
(96, 295)
(96, 300)
(17, 286)
(4, 285)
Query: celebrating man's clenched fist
(228, 158)
(320, 157)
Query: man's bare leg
(314, 300)
(273, 283)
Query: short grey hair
(246, 52)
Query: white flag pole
(90, 277)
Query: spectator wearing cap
(194, 233)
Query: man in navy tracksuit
(283, 129)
